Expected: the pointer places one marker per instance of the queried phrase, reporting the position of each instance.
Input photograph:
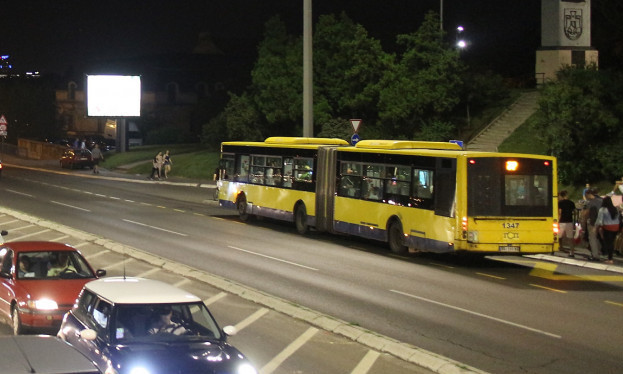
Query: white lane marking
(181, 283)
(8, 222)
(89, 257)
(119, 263)
(215, 298)
(70, 206)
(478, 314)
(29, 235)
(81, 244)
(288, 351)
(366, 363)
(19, 193)
(250, 319)
(60, 238)
(148, 272)
(272, 258)
(22, 227)
(154, 227)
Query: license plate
(509, 248)
(83, 159)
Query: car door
(6, 279)
(92, 313)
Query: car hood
(63, 291)
(178, 357)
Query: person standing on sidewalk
(566, 208)
(167, 164)
(591, 210)
(608, 226)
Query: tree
(277, 77)
(424, 86)
(348, 67)
(578, 120)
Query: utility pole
(308, 87)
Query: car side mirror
(4, 232)
(4, 274)
(230, 330)
(88, 334)
(100, 272)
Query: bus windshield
(519, 187)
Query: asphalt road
(518, 315)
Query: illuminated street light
(461, 44)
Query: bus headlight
(246, 368)
(472, 236)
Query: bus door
(325, 188)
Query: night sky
(51, 36)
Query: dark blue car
(142, 326)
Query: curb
(418, 356)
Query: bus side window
(287, 172)
(351, 181)
(242, 169)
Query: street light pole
(308, 98)
(440, 15)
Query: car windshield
(52, 265)
(139, 323)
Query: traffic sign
(356, 123)
(354, 139)
(3, 120)
(3, 126)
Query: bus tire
(300, 219)
(241, 204)
(396, 238)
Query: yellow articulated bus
(418, 196)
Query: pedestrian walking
(156, 166)
(97, 155)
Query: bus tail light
(556, 229)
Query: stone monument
(565, 37)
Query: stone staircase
(501, 127)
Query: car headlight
(42, 304)
(246, 368)
(139, 370)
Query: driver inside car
(61, 265)
(164, 324)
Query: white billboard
(113, 96)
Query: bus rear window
(503, 187)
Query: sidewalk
(117, 173)
(581, 251)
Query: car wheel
(300, 219)
(396, 238)
(242, 208)
(16, 322)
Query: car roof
(41, 354)
(36, 246)
(131, 290)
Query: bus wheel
(300, 219)
(242, 208)
(396, 238)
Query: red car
(40, 282)
(76, 158)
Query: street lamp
(460, 42)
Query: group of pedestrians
(161, 166)
(599, 219)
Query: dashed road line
(478, 314)
(547, 288)
(272, 258)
